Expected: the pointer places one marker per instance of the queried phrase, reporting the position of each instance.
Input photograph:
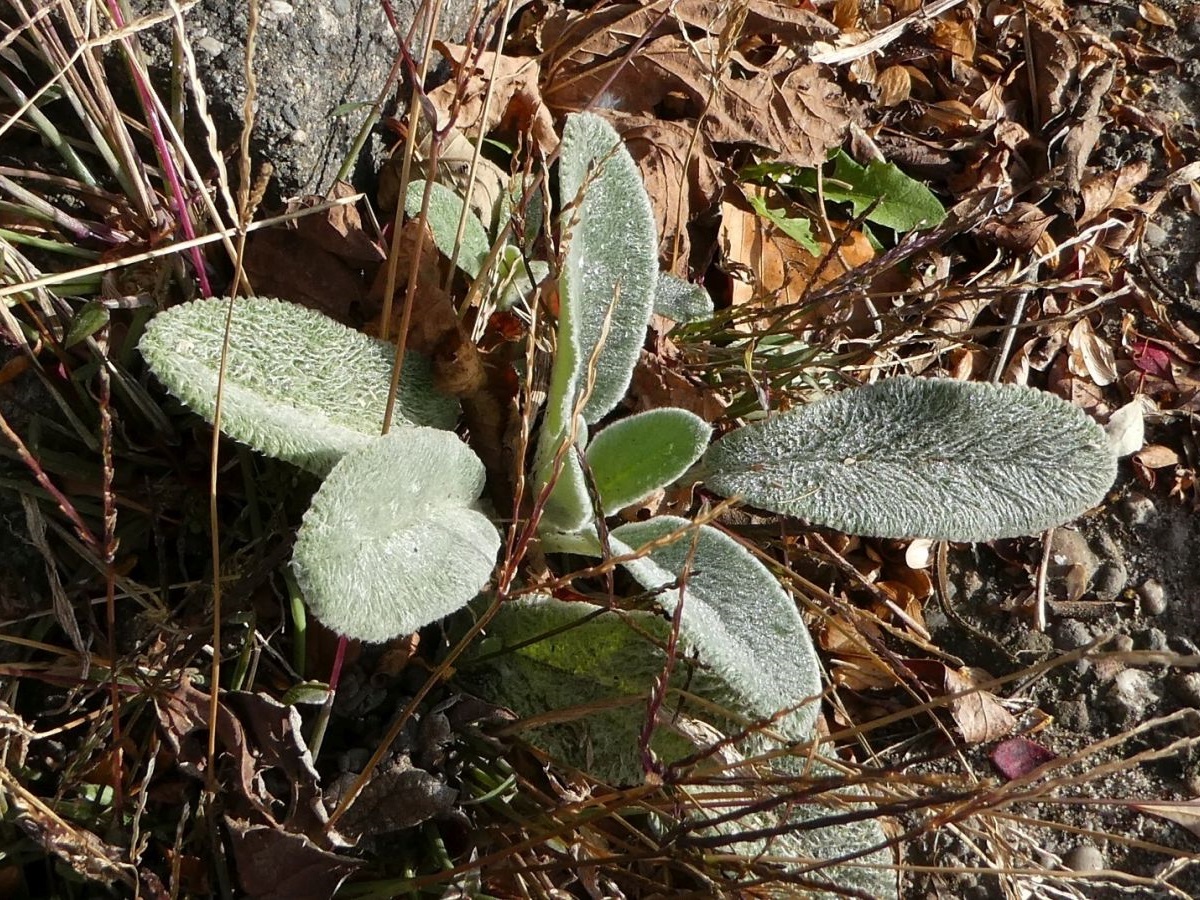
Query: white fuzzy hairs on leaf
(921, 457)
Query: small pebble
(1137, 509)
(1035, 642)
(1070, 634)
(210, 45)
(1187, 688)
(1073, 715)
(1084, 858)
(1153, 596)
(1130, 696)
(1110, 580)
(1157, 640)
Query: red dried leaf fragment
(1018, 756)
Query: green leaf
(298, 385)
(595, 668)
(932, 458)
(634, 457)
(799, 230)
(906, 204)
(92, 316)
(544, 655)
(515, 283)
(610, 270)
(569, 506)
(392, 540)
(681, 301)
(744, 625)
(445, 209)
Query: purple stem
(160, 145)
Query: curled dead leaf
(979, 715)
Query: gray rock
(1157, 640)
(1073, 715)
(1138, 509)
(1070, 634)
(1084, 858)
(1153, 597)
(1131, 696)
(1187, 688)
(1110, 580)
(311, 60)
(1112, 575)
(1035, 642)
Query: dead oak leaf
(799, 115)
(1111, 190)
(511, 82)
(681, 175)
(978, 714)
(790, 109)
(770, 268)
(273, 864)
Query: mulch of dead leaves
(1034, 277)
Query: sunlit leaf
(904, 203)
(392, 540)
(681, 301)
(636, 456)
(931, 458)
(744, 625)
(445, 209)
(298, 385)
(610, 271)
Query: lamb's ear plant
(371, 554)
(394, 539)
(298, 385)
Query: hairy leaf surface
(445, 208)
(563, 656)
(610, 271)
(634, 457)
(744, 625)
(392, 540)
(681, 301)
(931, 458)
(595, 669)
(298, 385)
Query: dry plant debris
(1054, 139)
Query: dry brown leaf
(280, 263)
(1058, 63)
(1156, 456)
(979, 716)
(1155, 15)
(770, 268)
(894, 84)
(846, 14)
(790, 109)
(956, 36)
(681, 176)
(516, 103)
(861, 673)
(1019, 229)
(657, 383)
(433, 316)
(1091, 355)
(798, 115)
(1111, 190)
